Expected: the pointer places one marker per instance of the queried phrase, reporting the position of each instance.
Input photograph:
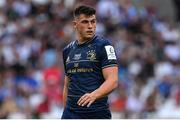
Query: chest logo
(91, 55)
(77, 56)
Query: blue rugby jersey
(83, 65)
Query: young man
(91, 70)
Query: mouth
(89, 32)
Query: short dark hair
(83, 9)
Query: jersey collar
(87, 42)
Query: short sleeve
(108, 56)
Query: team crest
(91, 55)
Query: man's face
(85, 26)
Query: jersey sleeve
(107, 55)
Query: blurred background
(146, 37)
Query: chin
(89, 36)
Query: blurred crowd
(33, 34)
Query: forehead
(86, 17)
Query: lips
(89, 32)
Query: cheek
(81, 29)
(94, 25)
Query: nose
(90, 25)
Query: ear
(74, 24)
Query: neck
(82, 40)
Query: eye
(84, 21)
(93, 21)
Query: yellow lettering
(80, 70)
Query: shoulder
(102, 41)
(68, 47)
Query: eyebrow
(89, 20)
